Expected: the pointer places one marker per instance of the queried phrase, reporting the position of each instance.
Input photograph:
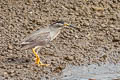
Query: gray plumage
(43, 36)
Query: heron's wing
(36, 39)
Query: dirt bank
(95, 39)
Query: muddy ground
(96, 38)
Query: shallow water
(102, 72)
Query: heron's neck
(54, 32)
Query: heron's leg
(40, 63)
(37, 59)
(33, 49)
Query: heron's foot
(37, 59)
(39, 63)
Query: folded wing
(36, 39)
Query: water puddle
(91, 72)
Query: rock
(118, 29)
(5, 74)
(69, 58)
(10, 72)
(18, 67)
(76, 36)
(116, 39)
(59, 68)
(10, 51)
(112, 26)
(10, 46)
(91, 79)
(98, 8)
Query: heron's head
(60, 25)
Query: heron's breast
(54, 34)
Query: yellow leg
(37, 59)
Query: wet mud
(91, 72)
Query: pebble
(10, 72)
(92, 79)
(118, 29)
(70, 58)
(18, 67)
(98, 8)
(5, 74)
(76, 36)
(113, 26)
(10, 46)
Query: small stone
(30, 1)
(70, 58)
(30, 12)
(3, 67)
(98, 8)
(91, 79)
(64, 7)
(87, 24)
(10, 46)
(5, 74)
(12, 74)
(59, 68)
(113, 26)
(47, 0)
(76, 36)
(12, 71)
(103, 25)
(118, 29)
(10, 51)
(18, 67)
(116, 39)
(99, 14)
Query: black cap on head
(62, 22)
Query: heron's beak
(68, 25)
